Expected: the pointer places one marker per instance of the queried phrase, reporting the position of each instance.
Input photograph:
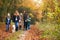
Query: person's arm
(13, 18)
(29, 19)
(10, 21)
(6, 20)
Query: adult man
(25, 20)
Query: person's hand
(25, 20)
(19, 20)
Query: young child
(28, 22)
(8, 20)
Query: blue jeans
(16, 25)
(7, 27)
(28, 26)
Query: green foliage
(50, 15)
(52, 11)
(51, 31)
(22, 8)
(8, 6)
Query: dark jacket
(25, 16)
(14, 18)
(8, 20)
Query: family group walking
(22, 20)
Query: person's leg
(16, 25)
(19, 27)
(24, 25)
(16, 28)
(7, 27)
(28, 26)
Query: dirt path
(22, 36)
(31, 34)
